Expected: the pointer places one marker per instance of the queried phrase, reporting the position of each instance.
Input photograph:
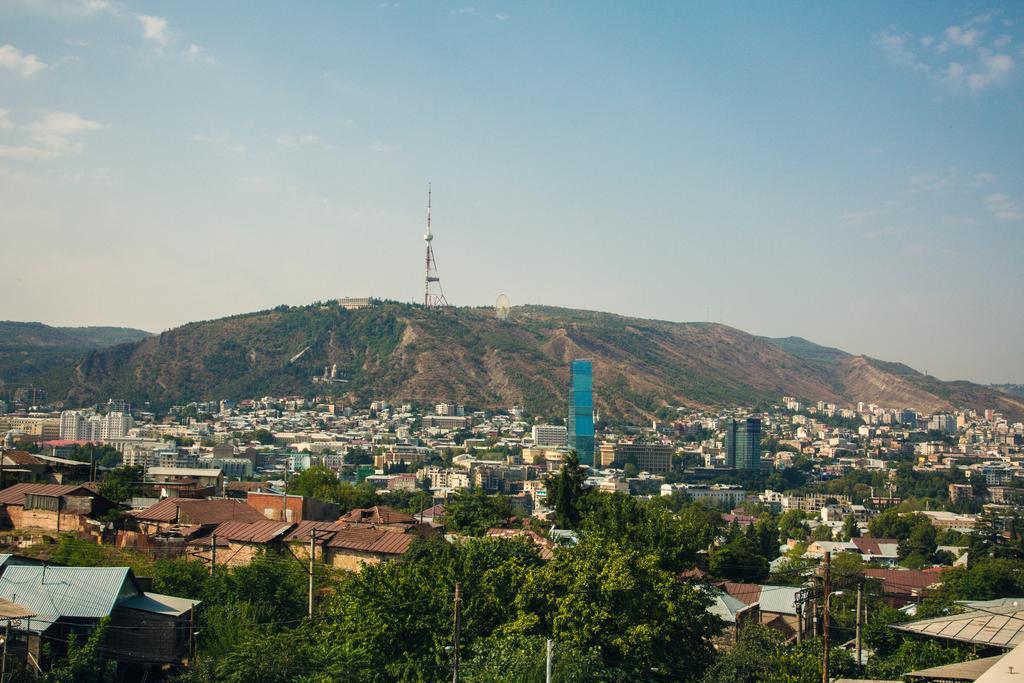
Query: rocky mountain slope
(404, 352)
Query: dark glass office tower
(581, 411)
(743, 443)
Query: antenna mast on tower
(431, 298)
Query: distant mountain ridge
(31, 334)
(407, 353)
(38, 354)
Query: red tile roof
(870, 546)
(904, 581)
(15, 495)
(747, 593)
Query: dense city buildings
(581, 411)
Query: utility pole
(312, 568)
(548, 660)
(284, 494)
(814, 616)
(458, 627)
(213, 552)
(799, 623)
(857, 635)
(827, 581)
(3, 661)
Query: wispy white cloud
(224, 142)
(885, 232)
(52, 135)
(381, 147)
(965, 60)
(16, 61)
(154, 28)
(898, 48)
(501, 17)
(855, 217)
(983, 178)
(1003, 208)
(464, 10)
(5, 119)
(301, 140)
(198, 54)
(98, 6)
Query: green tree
(565, 490)
(738, 560)
(986, 579)
(316, 482)
(121, 484)
(792, 525)
(605, 597)
(85, 662)
(521, 659)
(761, 655)
(850, 529)
(473, 512)
(264, 437)
(911, 655)
(920, 541)
(395, 619)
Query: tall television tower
(431, 298)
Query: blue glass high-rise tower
(743, 443)
(580, 425)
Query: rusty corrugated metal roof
(252, 532)
(198, 511)
(15, 495)
(302, 530)
(372, 541)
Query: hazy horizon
(847, 174)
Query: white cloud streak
(1003, 208)
(224, 142)
(964, 61)
(154, 28)
(21, 64)
(52, 135)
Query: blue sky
(851, 173)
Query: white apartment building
(72, 425)
(444, 478)
(549, 435)
(116, 425)
(715, 494)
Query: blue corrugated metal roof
(55, 592)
